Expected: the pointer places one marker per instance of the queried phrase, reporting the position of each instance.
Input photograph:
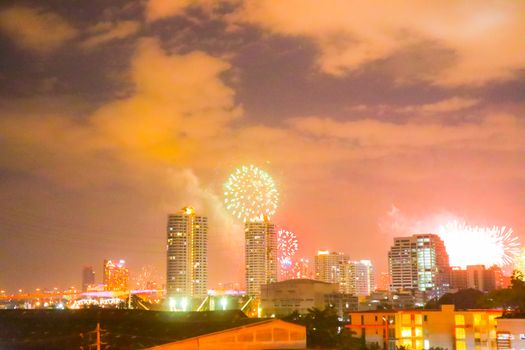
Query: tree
(463, 299)
(323, 328)
(512, 298)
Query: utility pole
(98, 335)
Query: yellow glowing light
(250, 194)
(406, 332)
(477, 245)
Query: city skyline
(114, 116)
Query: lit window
(406, 332)
(460, 333)
(477, 319)
(418, 319)
(418, 331)
(460, 345)
(405, 319)
(460, 320)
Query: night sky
(376, 119)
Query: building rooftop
(124, 329)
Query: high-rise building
(116, 275)
(361, 280)
(330, 267)
(353, 277)
(419, 262)
(88, 277)
(500, 280)
(458, 278)
(477, 277)
(261, 255)
(187, 253)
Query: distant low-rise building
(401, 300)
(261, 335)
(283, 298)
(422, 329)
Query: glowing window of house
(477, 319)
(418, 319)
(460, 333)
(407, 343)
(405, 318)
(418, 331)
(492, 320)
(406, 332)
(460, 345)
(460, 320)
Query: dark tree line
(511, 299)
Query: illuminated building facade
(261, 255)
(330, 267)
(419, 262)
(446, 328)
(187, 254)
(116, 275)
(360, 277)
(88, 278)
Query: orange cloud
(105, 32)
(483, 39)
(452, 104)
(160, 9)
(36, 29)
(495, 132)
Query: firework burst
(250, 194)
(473, 245)
(287, 246)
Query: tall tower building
(261, 255)
(116, 275)
(331, 267)
(361, 280)
(187, 252)
(88, 277)
(419, 262)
